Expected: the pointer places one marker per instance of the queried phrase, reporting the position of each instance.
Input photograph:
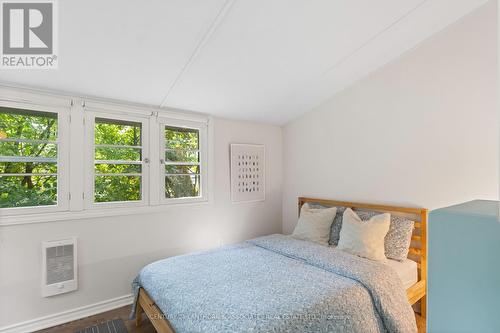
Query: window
(29, 159)
(184, 158)
(119, 165)
(68, 158)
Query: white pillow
(314, 224)
(364, 238)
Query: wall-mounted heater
(59, 267)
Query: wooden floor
(146, 327)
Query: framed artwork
(248, 175)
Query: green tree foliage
(123, 136)
(117, 188)
(117, 153)
(29, 187)
(182, 146)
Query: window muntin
(182, 173)
(28, 158)
(118, 160)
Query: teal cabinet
(464, 268)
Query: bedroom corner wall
(421, 131)
(113, 249)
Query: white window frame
(75, 197)
(63, 142)
(90, 162)
(202, 127)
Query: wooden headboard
(418, 247)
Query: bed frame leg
(138, 314)
(423, 306)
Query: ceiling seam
(371, 39)
(210, 30)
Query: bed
(279, 284)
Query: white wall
(421, 131)
(113, 249)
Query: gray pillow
(398, 239)
(336, 226)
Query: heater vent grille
(60, 263)
(59, 267)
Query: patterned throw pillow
(336, 226)
(398, 239)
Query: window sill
(94, 213)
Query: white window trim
(202, 127)
(63, 141)
(94, 213)
(89, 173)
(73, 163)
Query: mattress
(406, 270)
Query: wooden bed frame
(418, 253)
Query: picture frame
(248, 172)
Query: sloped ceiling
(259, 60)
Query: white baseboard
(67, 316)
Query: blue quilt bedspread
(277, 284)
